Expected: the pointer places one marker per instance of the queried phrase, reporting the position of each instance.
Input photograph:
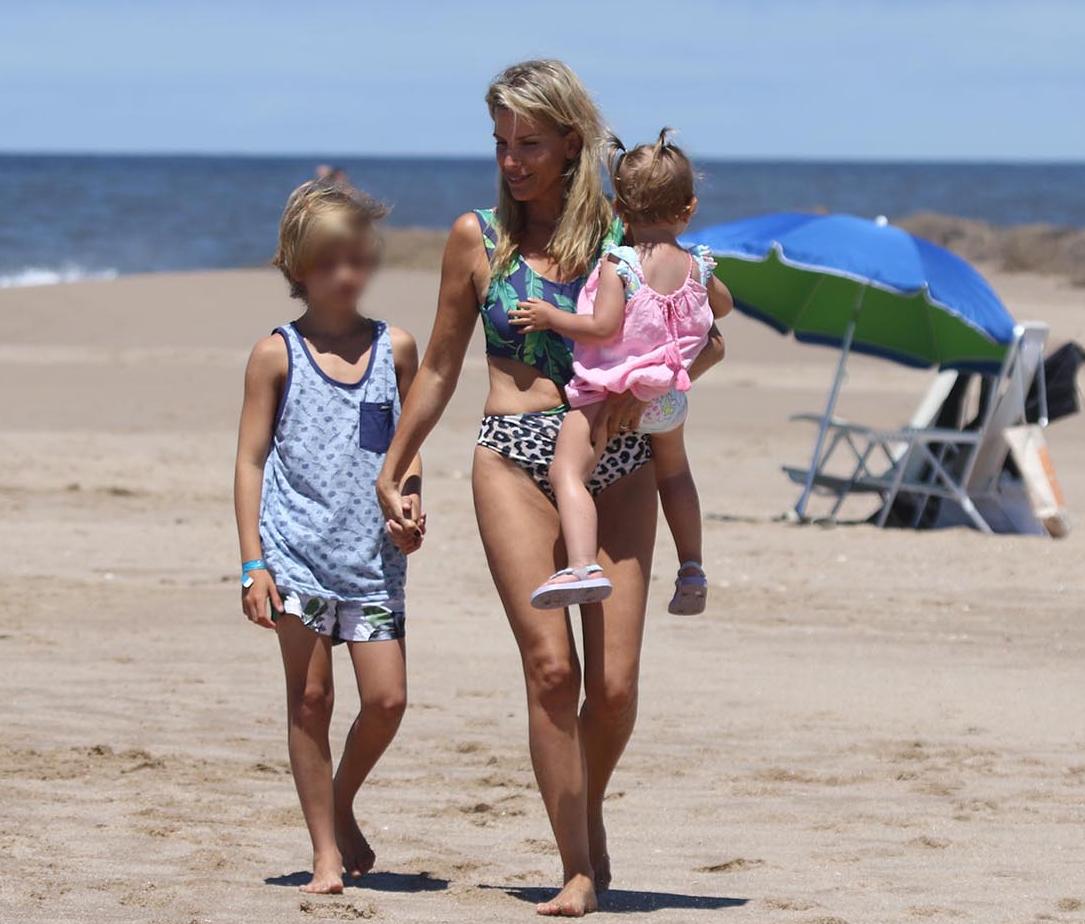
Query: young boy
(322, 397)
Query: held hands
(256, 597)
(532, 315)
(404, 519)
(407, 534)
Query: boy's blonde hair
(319, 212)
(548, 91)
(652, 183)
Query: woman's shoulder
(471, 224)
(467, 232)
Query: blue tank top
(321, 528)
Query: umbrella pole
(834, 393)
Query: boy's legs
(309, 698)
(678, 493)
(575, 457)
(381, 671)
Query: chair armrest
(926, 435)
(835, 423)
(816, 418)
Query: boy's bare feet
(575, 900)
(358, 856)
(327, 875)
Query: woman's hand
(533, 315)
(404, 537)
(403, 517)
(256, 597)
(619, 414)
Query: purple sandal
(557, 594)
(690, 591)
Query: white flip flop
(556, 595)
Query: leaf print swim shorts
(345, 620)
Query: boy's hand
(532, 315)
(407, 534)
(256, 597)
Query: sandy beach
(865, 727)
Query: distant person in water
(336, 176)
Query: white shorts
(345, 620)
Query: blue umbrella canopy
(861, 284)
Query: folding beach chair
(954, 463)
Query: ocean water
(65, 217)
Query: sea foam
(44, 276)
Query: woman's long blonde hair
(549, 91)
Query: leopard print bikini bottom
(529, 441)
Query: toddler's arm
(264, 378)
(598, 327)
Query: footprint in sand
(730, 866)
(932, 843)
(337, 911)
(789, 904)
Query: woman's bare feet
(358, 856)
(327, 875)
(602, 872)
(575, 900)
(597, 843)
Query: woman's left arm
(721, 303)
(712, 353)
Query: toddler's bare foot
(575, 900)
(327, 875)
(358, 856)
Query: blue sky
(883, 79)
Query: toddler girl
(642, 318)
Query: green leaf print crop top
(546, 351)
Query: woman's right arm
(457, 313)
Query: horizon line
(448, 156)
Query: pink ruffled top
(659, 338)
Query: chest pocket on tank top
(375, 426)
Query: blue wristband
(257, 564)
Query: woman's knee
(612, 698)
(553, 682)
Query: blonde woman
(543, 239)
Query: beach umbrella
(860, 285)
